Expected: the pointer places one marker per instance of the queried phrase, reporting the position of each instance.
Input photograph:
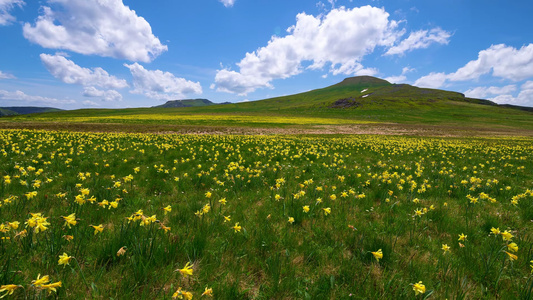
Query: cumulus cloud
(228, 3)
(524, 97)
(483, 91)
(69, 72)
(109, 95)
(93, 27)
(90, 103)
(5, 7)
(6, 75)
(498, 60)
(161, 85)
(419, 40)
(432, 80)
(21, 96)
(340, 38)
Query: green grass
(379, 183)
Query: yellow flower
(418, 213)
(222, 201)
(208, 194)
(208, 292)
(64, 259)
(506, 235)
(511, 256)
(291, 220)
(68, 237)
(326, 210)
(333, 197)
(51, 287)
(187, 270)
(419, 288)
(512, 247)
(306, 208)
(378, 255)
(237, 227)
(181, 294)
(14, 225)
(495, 231)
(227, 219)
(70, 220)
(9, 289)
(40, 280)
(97, 229)
(446, 248)
(462, 237)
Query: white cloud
(90, 103)
(419, 40)
(69, 72)
(161, 85)
(504, 61)
(5, 6)
(228, 3)
(483, 91)
(525, 97)
(340, 38)
(498, 60)
(106, 28)
(21, 96)
(432, 80)
(6, 75)
(400, 78)
(109, 95)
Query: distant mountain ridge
(24, 110)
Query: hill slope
(355, 100)
(23, 110)
(185, 103)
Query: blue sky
(136, 53)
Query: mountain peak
(363, 81)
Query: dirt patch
(374, 129)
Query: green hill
(355, 100)
(185, 103)
(23, 110)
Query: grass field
(124, 216)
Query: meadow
(164, 216)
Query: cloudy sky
(129, 53)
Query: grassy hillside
(22, 110)
(185, 103)
(356, 100)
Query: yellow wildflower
(306, 208)
(181, 294)
(98, 228)
(237, 227)
(446, 248)
(462, 237)
(187, 270)
(512, 247)
(64, 259)
(70, 220)
(506, 235)
(419, 288)
(208, 292)
(9, 289)
(511, 256)
(378, 255)
(40, 280)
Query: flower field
(162, 216)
